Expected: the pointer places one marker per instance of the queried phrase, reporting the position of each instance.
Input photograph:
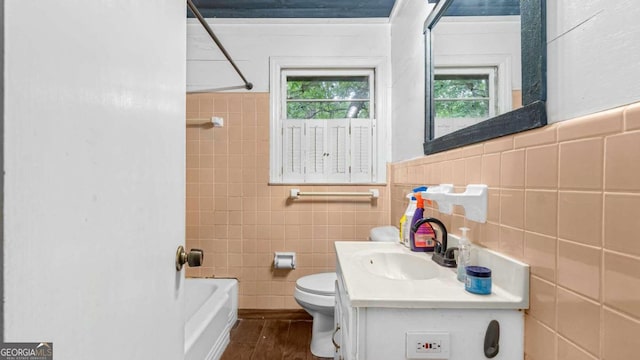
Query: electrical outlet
(427, 345)
(433, 347)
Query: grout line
(622, 314)
(602, 252)
(543, 280)
(618, 253)
(581, 296)
(625, 193)
(584, 351)
(573, 242)
(557, 243)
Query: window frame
(497, 93)
(326, 72)
(378, 111)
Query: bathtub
(211, 310)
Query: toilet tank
(384, 233)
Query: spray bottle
(405, 226)
(422, 239)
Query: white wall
(593, 56)
(250, 43)
(469, 41)
(2, 166)
(479, 41)
(94, 176)
(407, 68)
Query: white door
(94, 176)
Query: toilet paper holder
(284, 260)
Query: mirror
(486, 71)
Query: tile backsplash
(565, 199)
(239, 220)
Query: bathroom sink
(388, 275)
(398, 266)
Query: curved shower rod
(197, 14)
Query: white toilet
(316, 294)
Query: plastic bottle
(405, 227)
(422, 239)
(464, 254)
(403, 222)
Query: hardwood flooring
(270, 339)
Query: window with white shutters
(328, 126)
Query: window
(324, 126)
(463, 97)
(322, 96)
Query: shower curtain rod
(196, 12)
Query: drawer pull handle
(333, 338)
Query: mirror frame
(531, 115)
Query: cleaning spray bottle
(405, 226)
(464, 254)
(422, 239)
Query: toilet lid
(321, 284)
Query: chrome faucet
(441, 255)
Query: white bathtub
(211, 311)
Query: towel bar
(296, 193)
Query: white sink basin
(384, 274)
(398, 266)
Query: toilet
(316, 294)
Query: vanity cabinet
(344, 316)
(375, 330)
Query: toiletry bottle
(422, 239)
(403, 221)
(408, 215)
(464, 254)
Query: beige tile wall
(240, 220)
(566, 200)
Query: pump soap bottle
(464, 254)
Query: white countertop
(510, 280)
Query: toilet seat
(318, 284)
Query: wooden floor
(270, 339)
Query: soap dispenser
(464, 254)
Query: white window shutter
(293, 151)
(315, 141)
(338, 150)
(362, 141)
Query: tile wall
(239, 220)
(566, 200)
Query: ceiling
(294, 8)
(340, 8)
(483, 8)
